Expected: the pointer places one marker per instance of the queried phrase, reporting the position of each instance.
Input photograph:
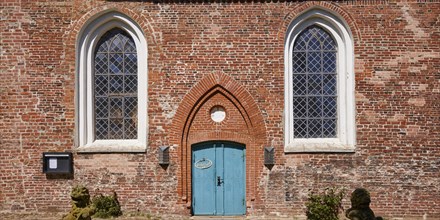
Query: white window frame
(335, 26)
(89, 36)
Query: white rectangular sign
(53, 163)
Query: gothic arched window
(314, 84)
(115, 86)
(112, 85)
(319, 84)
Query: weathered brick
(229, 53)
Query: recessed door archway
(243, 123)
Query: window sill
(113, 146)
(318, 145)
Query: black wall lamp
(269, 156)
(164, 155)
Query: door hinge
(194, 203)
(243, 202)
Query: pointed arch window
(115, 86)
(314, 84)
(112, 85)
(319, 84)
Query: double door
(218, 178)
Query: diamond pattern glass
(130, 128)
(116, 63)
(314, 44)
(130, 84)
(328, 62)
(102, 88)
(314, 128)
(321, 35)
(314, 107)
(117, 43)
(115, 88)
(130, 47)
(116, 84)
(101, 107)
(103, 46)
(101, 63)
(300, 128)
(329, 85)
(300, 45)
(328, 128)
(329, 107)
(329, 44)
(300, 107)
(300, 84)
(314, 84)
(130, 63)
(314, 62)
(115, 108)
(116, 129)
(130, 110)
(101, 128)
(299, 62)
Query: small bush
(325, 205)
(81, 208)
(106, 206)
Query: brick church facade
(345, 93)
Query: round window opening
(218, 113)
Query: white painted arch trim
(346, 130)
(88, 37)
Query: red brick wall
(233, 49)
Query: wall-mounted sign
(57, 162)
(53, 163)
(203, 163)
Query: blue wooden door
(218, 178)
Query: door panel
(234, 185)
(203, 179)
(218, 178)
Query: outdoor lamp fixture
(269, 156)
(164, 155)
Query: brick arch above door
(218, 89)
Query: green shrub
(106, 206)
(81, 208)
(324, 206)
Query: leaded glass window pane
(314, 84)
(115, 86)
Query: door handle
(219, 181)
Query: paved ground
(58, 216)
